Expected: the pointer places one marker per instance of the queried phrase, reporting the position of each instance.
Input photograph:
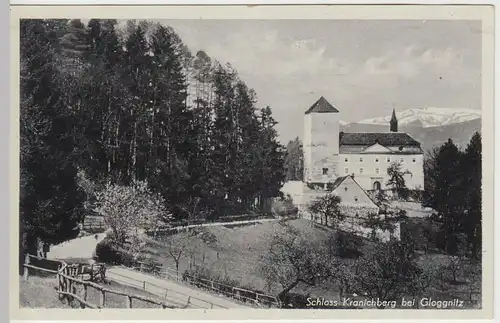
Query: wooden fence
(67, 283)
(173, 296)
(93, 224)
(240, 294)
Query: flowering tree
(128, 209)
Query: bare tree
(294, 259)
(177, 247)
(388, 271)
(327, 207)
(193, 209)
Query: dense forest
(106, 102)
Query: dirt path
(176, 293)
(84, 247)
(77, 248)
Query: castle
(330, 154)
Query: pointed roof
(322, 106)
(393, 118)
(340, 180)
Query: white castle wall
(321, 147)
(369, 168)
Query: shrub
(294, 300)
(108, 251)
(347, 246)
(284, 207)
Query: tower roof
(393, 118)
(322, 106)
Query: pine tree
(294, 163)
(448, 196)
(50, 201)
(225, 135)
(103, 97)
(473, 180)
(272, 157)
(171, 121)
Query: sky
(365, 68)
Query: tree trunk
(284, 292)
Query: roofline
(369, 197)
(382, 153)
(309, 112)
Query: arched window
(377, 186)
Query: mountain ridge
(426, 117)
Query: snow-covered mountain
(427, 117)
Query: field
(40, 292)
(235, 253)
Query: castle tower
(394, 122)
(321, 143)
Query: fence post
(70, 283)
(166, 291)
(129, 302)
(59, 287)
(73, 290)
(85, 292)
(144, 285)
(26, 262)
(103, 298)
(92, 272)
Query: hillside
(235, 253)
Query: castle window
(376, 159)
(345, 188)
(414, 160)
(346, 159)
(361, 170)
(325, 171)
(388, 159)
(377, 170)
(346, 170)
(360, 159)
(355, 199)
